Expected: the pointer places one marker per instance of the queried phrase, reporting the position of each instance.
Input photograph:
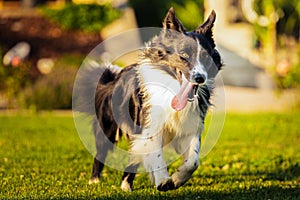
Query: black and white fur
(141, 95)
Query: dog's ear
(206, 27)
(171, 22)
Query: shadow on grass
(271, 192)
(290, 173)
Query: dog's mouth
(186, 93)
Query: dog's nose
(199, 78)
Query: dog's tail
(90, 75)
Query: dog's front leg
(152, 157)
(157, 167)
(190, 147)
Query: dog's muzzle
(198, 77)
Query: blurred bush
(288, 73)
(48, 92)
(13, 79)
(53, 90)
(85, 17)
(150, 13)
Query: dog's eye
(160, 53)
(204, 55)
(184, 55)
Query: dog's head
(192, 54)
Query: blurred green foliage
(53, 90)
(85, 17)
(288, 15)
(13, 79)
(47, 92)
(190, 13)
(291, 80)
(151, 13)
(281, 34)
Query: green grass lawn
(257, 157)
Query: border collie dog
(161, 100)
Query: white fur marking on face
(198, 67)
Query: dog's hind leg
(98, 166)
(103, 145)
(102, 150)
(128, 177)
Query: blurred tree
(150, 13)
(269, 40)
(285, 16)
(191, 13)
(276, 28)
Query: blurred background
(43, 42)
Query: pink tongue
(179, 101)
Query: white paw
(125, 186)
(93, 181)
(178, 181)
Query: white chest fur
(161, 88)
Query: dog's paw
(166, 185)
(94, 180)
(125, 186)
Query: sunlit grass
(257, 157)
